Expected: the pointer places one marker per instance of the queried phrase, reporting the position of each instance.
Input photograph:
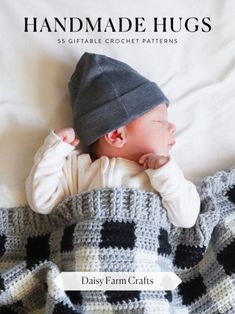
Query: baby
(122, 118)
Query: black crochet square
(231, 194)
(226, 258)
(37, 249)
(2, 286)
(118, 234)
(61, 308)
(192, 290)
(3, 239)
(67, 239)
(168, 295)
(188, 256)
(164, 245)
(74, 296)
(115, 297)
(8, 310)
(15, 308)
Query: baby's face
(152, 132)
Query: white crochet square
(154, 307)
(146, 261)
(87, 259)
(219, 294)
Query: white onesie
(60, 171)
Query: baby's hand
(68, 135)
(153, 161)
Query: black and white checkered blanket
(120, 229)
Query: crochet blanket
(120, 229)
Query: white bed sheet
(197, 75)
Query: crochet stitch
(120, 229)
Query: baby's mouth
(172, 144)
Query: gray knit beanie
(106, 93)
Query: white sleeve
(44, 187)
(179, 196)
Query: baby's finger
(70, 135)
(66, 139)
(75, 142)
(145, 165)
(152, 162)
(156, 164)
(144, 157)
(149, 160)
(160, 162)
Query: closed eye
(162, 122)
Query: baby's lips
(172, 143)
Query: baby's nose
(172, 127)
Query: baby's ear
(116, 138)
